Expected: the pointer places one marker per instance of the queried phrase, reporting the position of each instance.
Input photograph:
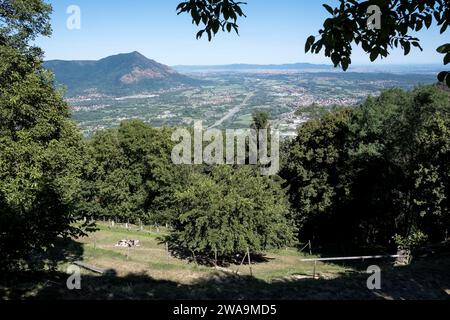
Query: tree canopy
(231, 210)
(22, 21)
(41, 150)
(133, 178)
(367, 174)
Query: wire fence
(401, 258)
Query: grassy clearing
(152, 259)
(148, 272)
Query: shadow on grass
(425, 279)
(209, 260)
(428, 280)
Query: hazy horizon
(374, 65)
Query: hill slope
(130, 73)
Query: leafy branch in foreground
(215, 15)
(444, 76)
(347, 26)
(399, 18)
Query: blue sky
(274, 32)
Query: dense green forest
(367, 174)
(374, 176)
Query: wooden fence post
(249, 262)
(242, 262)
(195, 258)
(314, 271)
(167, 252)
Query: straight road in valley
(233, 111)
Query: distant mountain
(121, 74)
(255, 67)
